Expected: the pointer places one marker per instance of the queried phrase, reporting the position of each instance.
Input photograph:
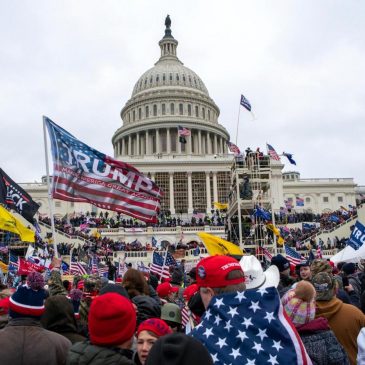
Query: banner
(16, 198)
(357, 238)
(83, 174)
(9, 223)
(26, 267)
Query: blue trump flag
(250, 327)
(289, 156)
(357, 238)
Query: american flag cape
(158, 267)
(250, 327)
(293, 256)
(272, 153)
(83, 174)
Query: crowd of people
(221, 311)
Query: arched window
(134, 115)
(203, 113)
(172, 108)
(157, 79)
(189, 110)
(181, 109)
(184, 79)
(147, 112)
(170, 77)
(139, 113)
(197, 111)
(177, 77)
(208, 114)
(163, 78)
(163, 106)
(155, 110)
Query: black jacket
(84, 353)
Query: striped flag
(94, 265)
(13, 262)
(76, 268)
(103, 270)
(319, 252)
(264, 251)
(183, 132)
(233, 148)
(245, 103)
(272, 153)
(158, 267)
(293, 256)
(83, 174)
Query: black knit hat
(178, 349)
(281, 262)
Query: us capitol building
(197, 173)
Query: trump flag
(83, 174)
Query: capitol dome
(167, 100)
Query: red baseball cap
(212, 271)
(190, 291)
(164, 289)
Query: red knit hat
(112, 320)
(212, 271)
(154, 325)
(164, 289)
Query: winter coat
(25, 342)
(321, 343)
(84, 353)
(361, 347)
(285, 284)
(345, 321)
(147, 307)
(59, 317)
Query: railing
(71, 237)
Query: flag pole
(50, 201)
(238, 121)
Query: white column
(200, 149)
(138, 153)
(147, 143)
(168, 142)
(209, 144)
(172, 202)
(215, 144)
(122, 149)
(157, 141)
(207, 188)
(189, 140)
(129, 145)
(190, 194)
(178, 143)
(215, 187)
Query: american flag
(245, 103)
(142, 268)
(158, 267)
(272, 153)
(13, 262)
(94, 265)
(293, 256)
(233, 148)
(184, 132)
(264, 251)
(76, 268)
(319, 252)
(103, 270)
(250, 328)
(83, 174)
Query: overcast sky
(300, 63)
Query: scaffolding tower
(250, 188)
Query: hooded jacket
(345, 321)
(147, 308)
(84, 353)
(25, 342)
(59, 317)
(321, 343)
